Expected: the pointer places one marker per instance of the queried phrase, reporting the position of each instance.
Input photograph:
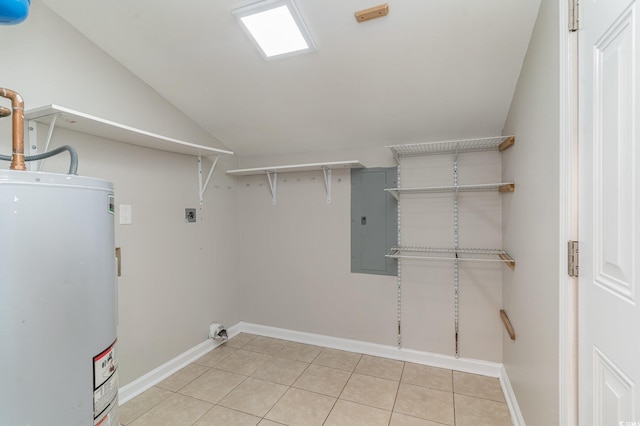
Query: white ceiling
(431, 69)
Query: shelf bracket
(273, 184)
(327, 182)
(507, 187)
(33, 144)
(507, 324)
(508, 261)
(33, 141)
(203, 187)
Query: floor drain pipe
(218, 332)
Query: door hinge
(572, 259)
(573, 15)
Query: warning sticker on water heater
(110, 415)
(104, 365)
(105, 380)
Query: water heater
(58, 311)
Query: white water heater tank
(58, 309)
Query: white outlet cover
(125, 214)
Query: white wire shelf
(499, 143)
(449, 253)
(485, 187)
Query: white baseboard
(512, 403)
(155, 376)
(467, 365)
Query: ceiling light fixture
(276, 28)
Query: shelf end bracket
(508, 261)
(327, 182)
(202, 187)
(33, 140)
(273, 184)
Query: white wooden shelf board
(96, 126)
(353, 164)
(272, 173)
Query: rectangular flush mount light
(276, 27)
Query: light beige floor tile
(299, 351)
(254, 396)
(347, 413)
(215, 356)
(243, 362)
(426, 403)
(430, 377)
(240, 340)
(221, 416)
(266, 422)
(324, 380)
(479, 386)
(213, 385)
(471, 411)
(335, 358)
(398, 419)
(373, 391)
(301, 408)
(280, 370)
(141, 404)
(264, 345)
(380, 367)
(181, 377)
(177, 410)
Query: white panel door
(609, 213)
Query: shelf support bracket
(507, 324)
(273, 184)
(33, 139)
(33, 143)
(508, 261)
(327, 182)
(203, 187)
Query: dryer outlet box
(189, 215)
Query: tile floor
(254, 380)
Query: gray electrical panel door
(374, 220)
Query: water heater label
(112, 208)
(104, 365)
(105, 380)
(109, 417)
(104, 395)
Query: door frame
(568, 386)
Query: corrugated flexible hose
(73, 165)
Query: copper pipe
(4, 112)
(17, 107)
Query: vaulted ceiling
(431, 69)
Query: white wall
(428, 286)
(531, 226)
(177, 277)
(297, 256)
(47, 61)
(294, 269)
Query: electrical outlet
(189, 215)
